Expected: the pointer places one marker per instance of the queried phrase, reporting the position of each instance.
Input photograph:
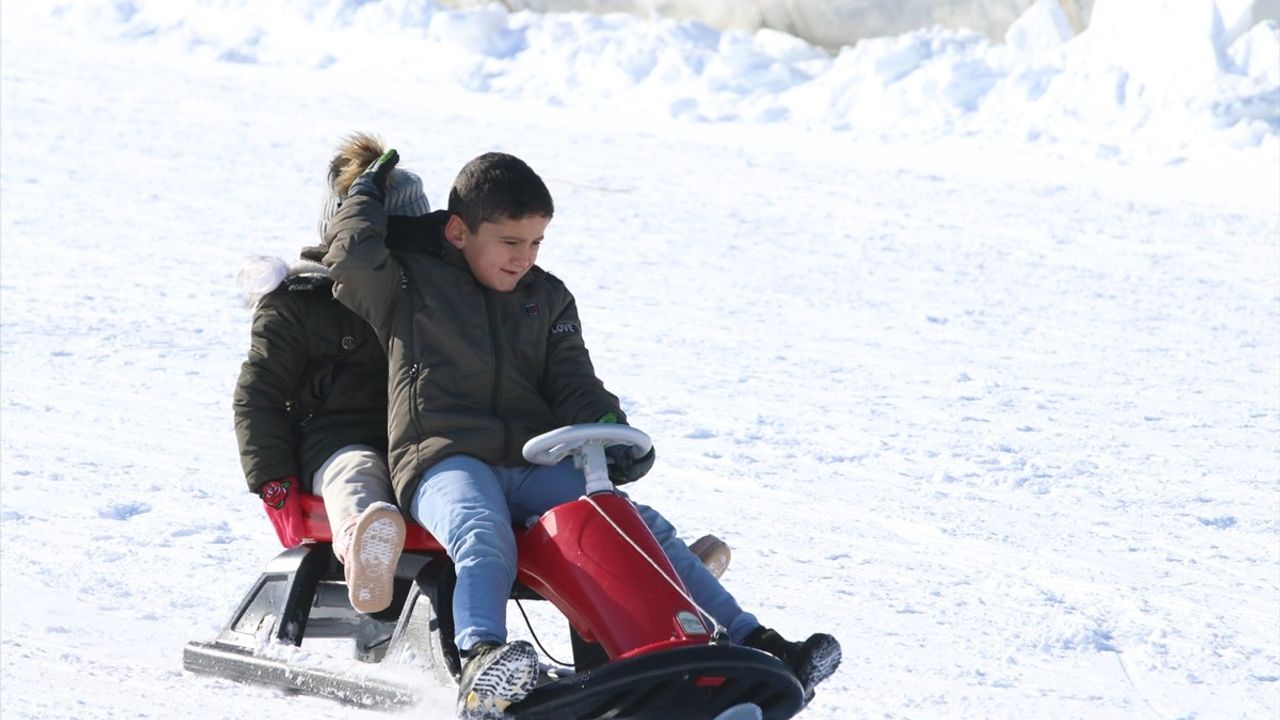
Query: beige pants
(352, 479)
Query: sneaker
(713, 552)
(812, 661)
(370, 553)
(494, 677)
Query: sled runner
(641, 648)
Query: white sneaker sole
(375, 552)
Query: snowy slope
(1003, 414)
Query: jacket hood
(261, 275)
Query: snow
(971, 351)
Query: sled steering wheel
(586, 443)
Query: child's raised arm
(366, 277)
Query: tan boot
(369, 547)
(713, 552)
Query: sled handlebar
(586, 443)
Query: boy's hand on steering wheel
(623, 466)
(626, 468)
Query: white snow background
(970, 349)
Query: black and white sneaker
(812, 661)
(494, 677)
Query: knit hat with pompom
(405, 195)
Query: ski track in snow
(1008, 429)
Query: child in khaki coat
(310, 402)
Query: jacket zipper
(495, 342)
(416, 369)
(415, 414)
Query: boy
(485, 351)
(310, 402)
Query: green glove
(373, 181)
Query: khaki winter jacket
(471, 371)
(315, 381)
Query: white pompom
(260, 275)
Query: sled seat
(316, 528)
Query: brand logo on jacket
(531, 309)
(564, 328)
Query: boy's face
(499, 253)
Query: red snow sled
(641, 648)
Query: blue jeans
(469, 506)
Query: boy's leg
(541, 488)
(812, 660)
(705, 589)
(536, 489)
(461, 502)
(368, 529)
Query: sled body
(641, 649)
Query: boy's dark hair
(497, 186)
